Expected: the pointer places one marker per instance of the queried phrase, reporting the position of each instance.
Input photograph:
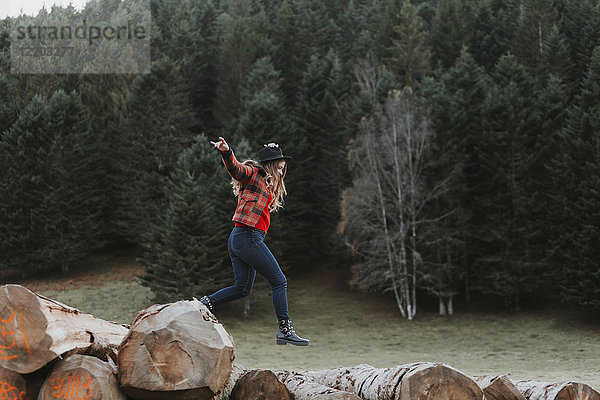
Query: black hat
(271, 152)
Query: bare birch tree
(382, 210)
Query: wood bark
(81, 377)
(534, 390)
(305, 388)
(498, 387)
(175, 351)
(418, 381)
(12, 385)
(36, 330)
(260, 384)
(236, 373)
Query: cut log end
(577, 391)
(12, 385)
(26, 344)
(438, 381)
(178, 349)
(535, 390)
(81, 377)
(258, 385)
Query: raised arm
(236, 169)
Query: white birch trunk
(401, 210)
(305, 388)
(442, 305)
(405, 382)
(390, 247)
(533, 390)
(450, 305)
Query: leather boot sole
(285, 341)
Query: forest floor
(348, 328)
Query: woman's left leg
(262, 260)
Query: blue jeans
(249, 254)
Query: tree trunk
(175, 351)
(533, 390)
(36, 330)
(12, 385)
(498, 387)
(259, 385)
(305, 388)
(418, 381)
(80, 377)
(442, 305)
(451, 304)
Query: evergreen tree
(241, 32)
(287, 56)
(409, 56)
(352, 20)
(105, 99)
(188, 33)
(556, 59)
(450, 30)
(49, 200)
(384, 18)
(302, 29)
(315, 189)
(493, 23)
(510, 149)
(158, 127)
(264, 117)
(201, 67)
(455, 99)
(185, 253)
(576, 199)
(581, 26)
(535, 26)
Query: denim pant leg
(260, 257)
(243, 272)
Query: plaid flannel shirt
(254, 195)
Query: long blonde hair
(275, 182)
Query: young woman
(260, 190)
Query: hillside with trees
(447, 147)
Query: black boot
(206, 301)
(287, 335)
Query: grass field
(349, 328)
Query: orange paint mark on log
(5, 332)
(27, 347)
(70, 387)
(9, 392)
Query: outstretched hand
(221, 145)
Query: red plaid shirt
(254, 195)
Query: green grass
(349, 328)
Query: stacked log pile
(179, 351)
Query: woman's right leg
(244, 273)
